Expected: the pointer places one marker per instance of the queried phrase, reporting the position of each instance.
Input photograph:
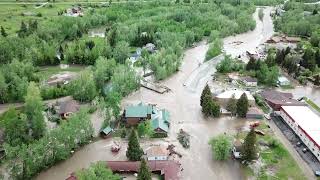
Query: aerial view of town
(159, 89)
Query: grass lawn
(47, 71)
(11, 15)
(312, 104)
(278, 163)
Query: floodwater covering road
(185, 113)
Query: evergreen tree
(144, 171)
(3, 32)
(23, 30)
(210, 107)
(249, 151)
(251, 64)
(232, 105)
(242, 105)
(134, 151)
(205, 91)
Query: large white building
(224, 97)
(305, 123)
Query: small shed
(106, 132)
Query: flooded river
(250, 41)
(185, 112)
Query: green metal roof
(107, 130)
(140, 110)
(160, 120)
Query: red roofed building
(276, 99)
(169, 169)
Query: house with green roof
(160, 119)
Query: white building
(249, 81)
(157, 153)
(305, 123)
(224, 97)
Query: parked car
(299, 144)
(317, 173)
(304, 150)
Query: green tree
(221, 147)
(121, 52)
(3, 32)
(145, 128)
(210, 107)
(206, 91)
(3, 88)
(124, 80)
(249, 151)
(104, 69)
(84, 88)
(23, 30)
(232, 105)
(97, 171)
(144, 171)
(134, 151)
(242, 105)
(16, 127)
(33, 109)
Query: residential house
(135, 114)
(67, 108)
(224, 97)
(141, 112)
(249, 81)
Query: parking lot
(308, 157)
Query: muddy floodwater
(251, 40)
(185, 113)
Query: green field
(278, 163)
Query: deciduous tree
(34, 109)
(221, 147)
